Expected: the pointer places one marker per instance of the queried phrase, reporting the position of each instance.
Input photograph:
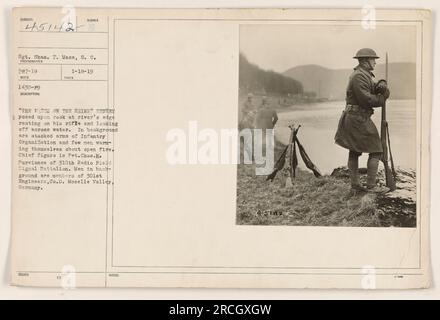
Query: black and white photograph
(220, 148)
(339, 103)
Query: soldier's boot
(353, 168)
(372, 168)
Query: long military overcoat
(356, 131)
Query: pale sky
(280, 47)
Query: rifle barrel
(386, 67)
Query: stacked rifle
(293, 144)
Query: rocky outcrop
(396, 208)
(400, 204)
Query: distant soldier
(248, 113)
(356, 131)
(266, 116)
(265, 120)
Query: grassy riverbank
(310, 201)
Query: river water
(319, 122)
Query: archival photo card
(220, 148)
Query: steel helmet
(366, 53)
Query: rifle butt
(389, 178)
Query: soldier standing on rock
(356, 131)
